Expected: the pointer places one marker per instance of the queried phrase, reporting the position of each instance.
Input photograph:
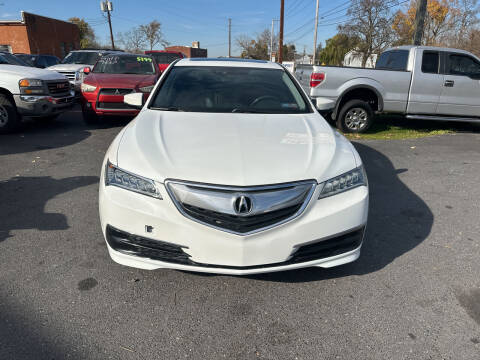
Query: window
(430, 62)
(393, 60)
(462, 65)
(222, 89)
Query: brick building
(193, 51)
(35, 34)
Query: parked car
(7, 58)
(164, 58)
(229, 169)
(76, 61)
(112, 77)
(28, 91)
(39, 61)
(420, 82)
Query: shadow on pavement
(67, 129)
(23, 199)
(399, 220)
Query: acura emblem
(242, 205)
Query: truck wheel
(89, 117)
(356, 116)
(9, 119)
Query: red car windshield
(165, 58)
(125, 64)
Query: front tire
(356, 116)
(9, 118)
(89, 116)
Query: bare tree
(258, 48)
(153, 34)
(370, 23)
(133, 40)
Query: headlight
(30, 83)
(31, 86)
(87, 88)
(349, 180)
(125, 180)
(146, 89)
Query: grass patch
(390, 127)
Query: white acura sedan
(230, 169)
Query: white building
(353, 58)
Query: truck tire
(9, 118)
(355, 116)
(89, 116)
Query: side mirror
(134, 100)
(323, 104)
(86, 70)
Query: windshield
(229, 89)
(125, 64)
(78, 57)
(11, 59)
(165, 58)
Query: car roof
(228, 62)
(423, 47)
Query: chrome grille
(69, 74)
(58, 88)
(241, 210)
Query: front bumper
(93, 100)
(42, 105)
(323, 225)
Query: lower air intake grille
(137, 245)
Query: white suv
(73, 64)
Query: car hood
(120, 80)
(68, 67)
(233, 149)
(31, 72)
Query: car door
(427, 83)
(461, 87)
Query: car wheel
(9, 119)
(356, 116)
(89, 117)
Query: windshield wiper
(171, 108)
(244, 110)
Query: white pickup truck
(28, 91)
(420, 82)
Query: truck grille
(59, 88)
(69, 74)
(241, 210)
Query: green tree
(336, 48)
(87, 35)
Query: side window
(430, 62)
(462, 65)
(52, 60)
(393, 60)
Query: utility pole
(280, 36)
(107, 6)
(229, 37)
(315, 35)
(419, 22)
(271, 40)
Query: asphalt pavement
(413, 294)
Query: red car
(112, 77)
(164, 57)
